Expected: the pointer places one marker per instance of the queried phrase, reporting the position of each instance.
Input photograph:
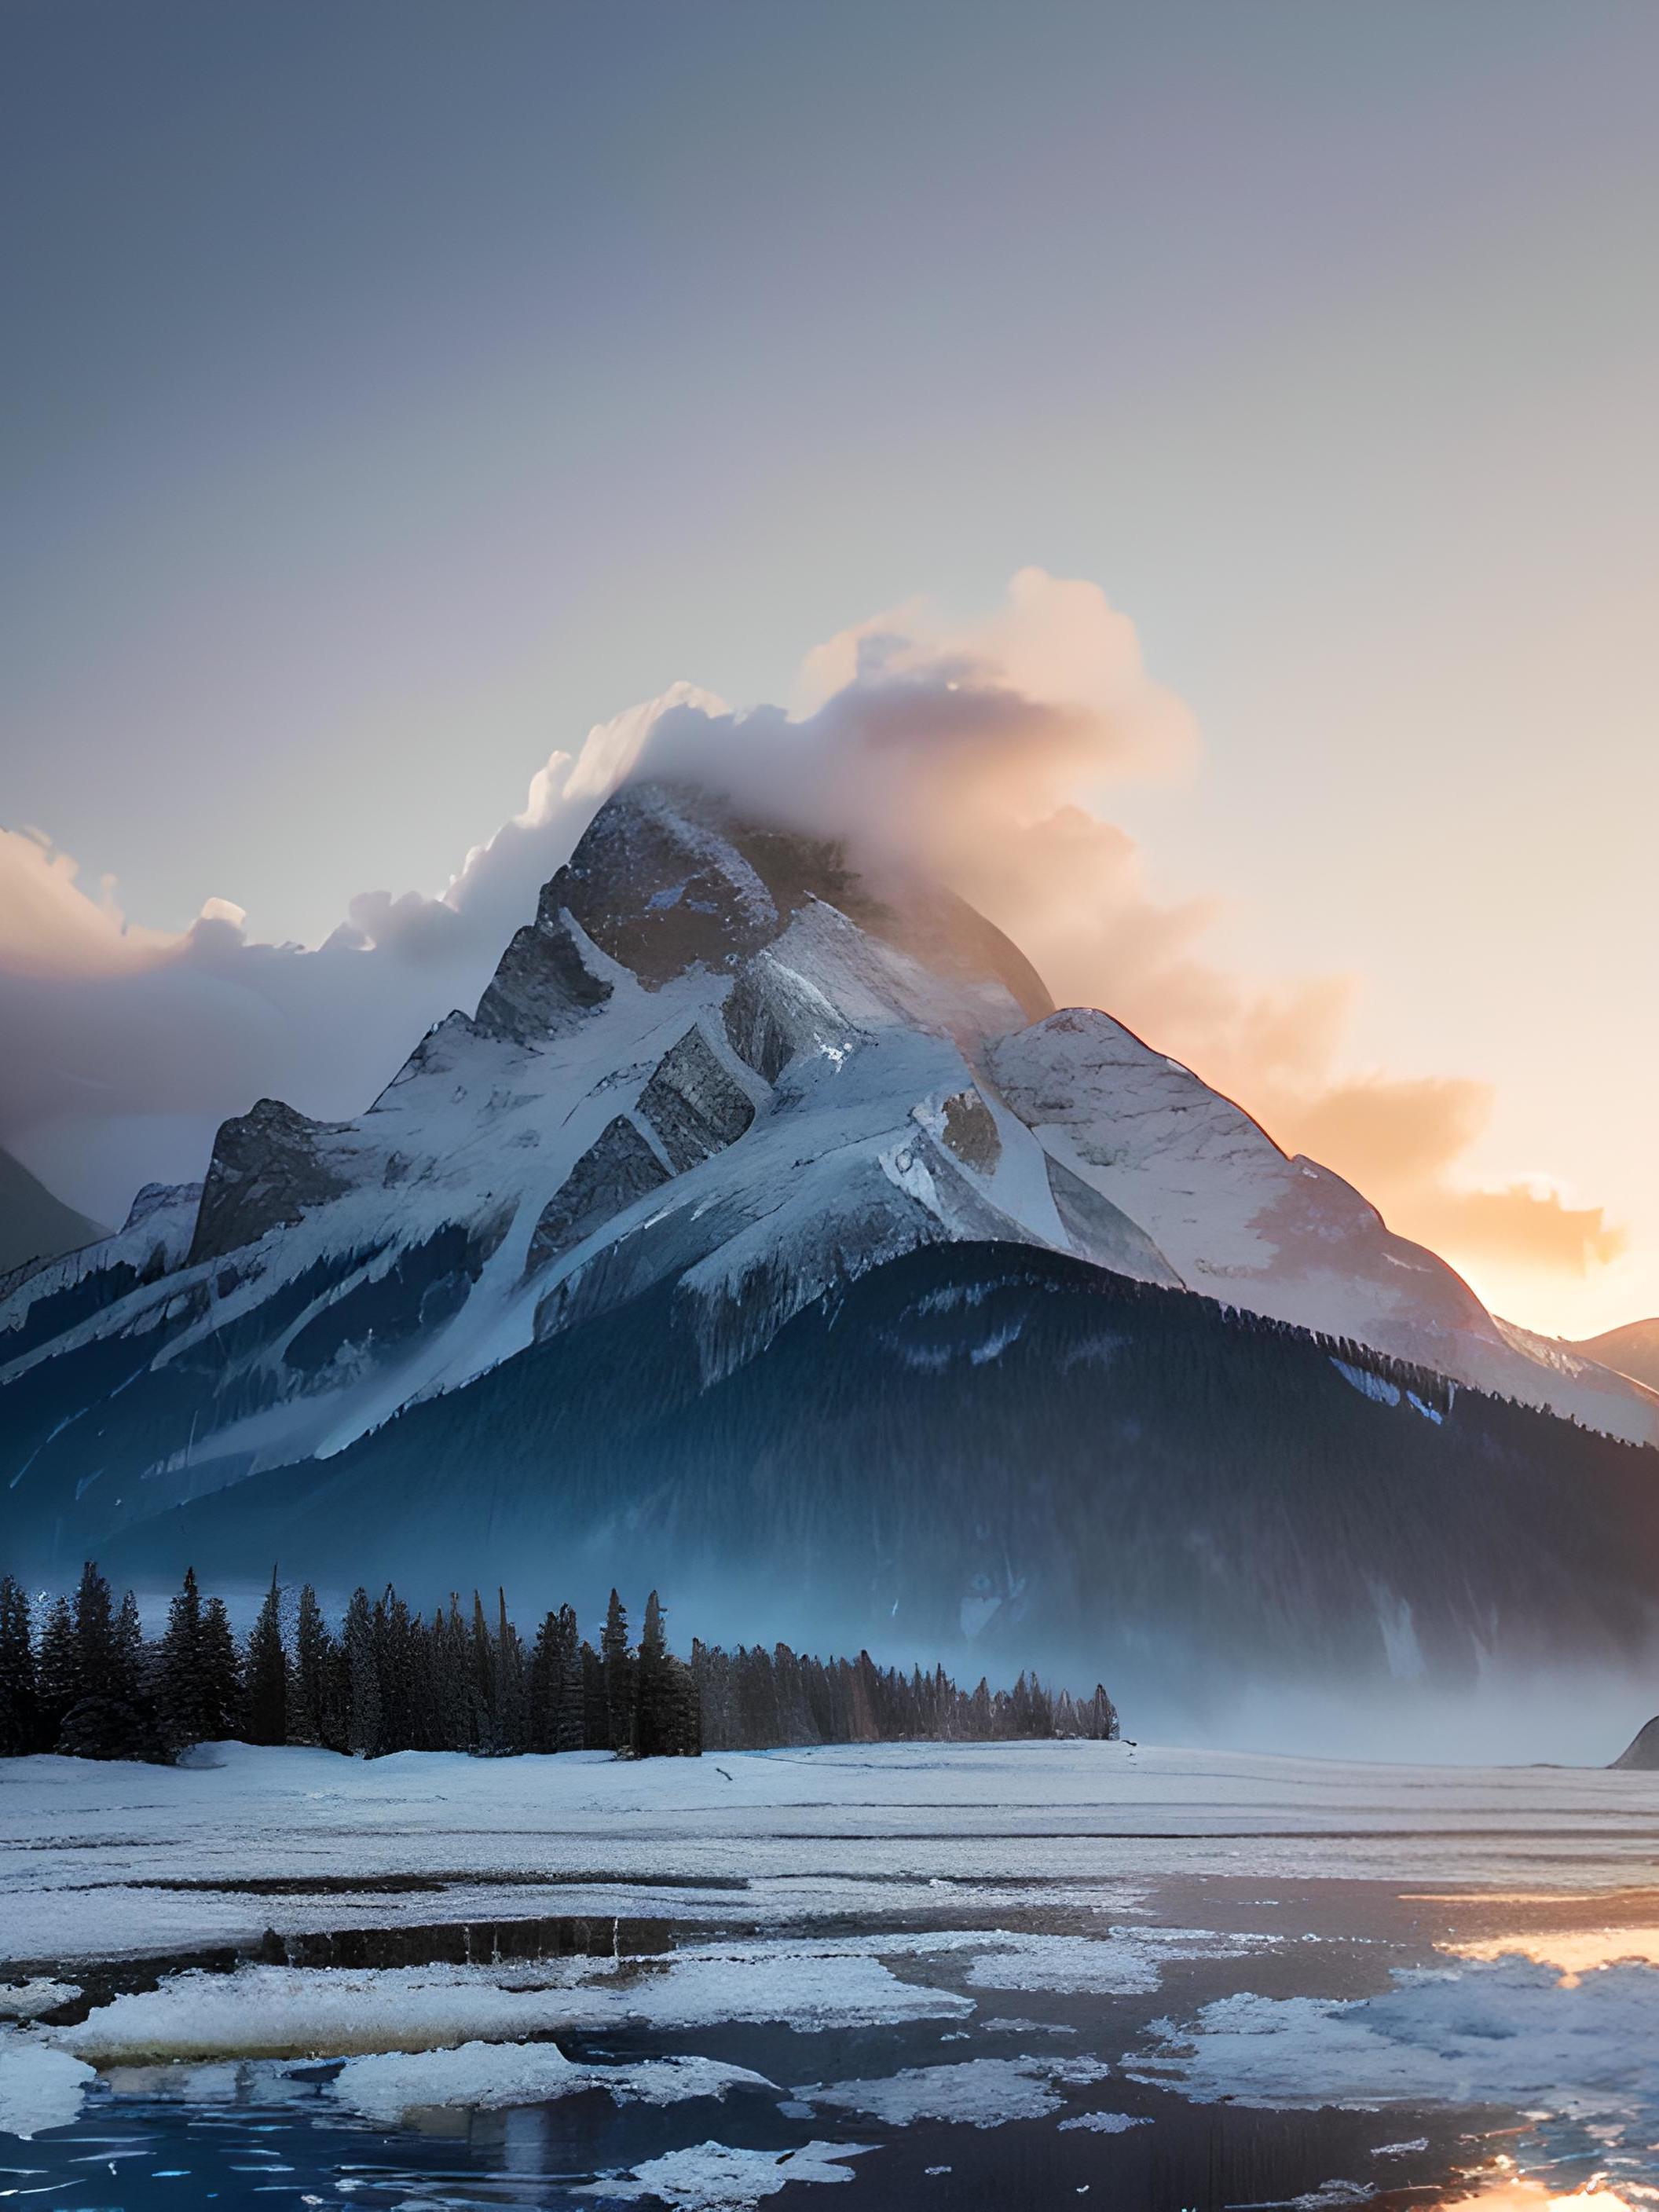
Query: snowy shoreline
(100, 1861)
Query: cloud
(984, 752)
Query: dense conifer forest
(987, 1449)
(82, 1680)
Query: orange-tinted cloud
(980, 751)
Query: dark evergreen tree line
(86, 1682)
(752, 1699)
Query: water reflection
(1516, 2192)
(1573, 1952)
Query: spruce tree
(57, 1672)
(109, 1717)
(654, 1703)
(543, 1683)
(96, 1668)
(309, 1698)
(512, 1698)
(684, 1711)
(596, 1714)
(567, 1735)
(481, 1674)
(178, 1691)
(19, 1715)
(266, 1720)
(395, 1670)
(363, 1723)
(451, 1689)
(222, 1674)
(619, 1686)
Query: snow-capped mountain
(723, 1069)
(1632, 1350)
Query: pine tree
(363, 1723)
(596, 1714)
(481, 1674)
(450, 1687)
(129, 1652)
(222, 1674)
(568, 1731)
(20, 1716)
(654, 1700)
(57, 1672)
(545, 1680)
(109, 1717)
(512, 1700)
(396, 1669)
(186, 1708)
(619, 1685)
(180, 1661)
(97, 1673)
(267, 1719)
(684, 1711)
(309, 1715)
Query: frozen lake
(1009, 1975)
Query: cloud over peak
(983, 751)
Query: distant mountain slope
(722, 1066)
(1001, 1447)
(33, 1225)
(1632, 1350)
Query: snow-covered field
(89, 1853)
(997, 1935)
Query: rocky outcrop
(970, 1131)
(773, 1014)
(267, 1168)
(693, 1106)
(662, 883)
(541, 985)
(619, 1167)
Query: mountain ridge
(724, 1075)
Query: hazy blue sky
(391, 390)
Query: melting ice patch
(717, 2178)
(1576, 2056)
(29, 2000)
(979, 2092)
(489, 2076)
(1124, 1963)
(39, 2087)
(295, 2011)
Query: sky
(393, 393)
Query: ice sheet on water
(717, 2178)
(39, 2087)
(491, 2076)
(978, 2093)
(333, 2012)
(1125, 1962)
(1508, 2032)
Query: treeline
(91, 1686)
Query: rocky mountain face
(724, 1078)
